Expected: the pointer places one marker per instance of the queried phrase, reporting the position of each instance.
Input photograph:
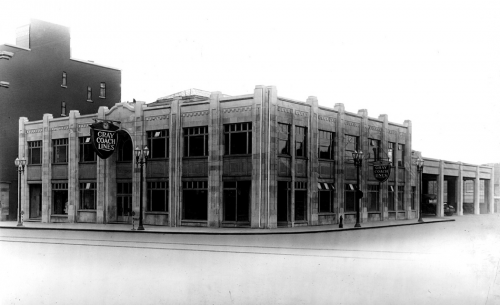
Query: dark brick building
(38, 76)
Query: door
(35, 201)
(124, 202)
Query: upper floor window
(196, 141)
(374, 149)
(351, 145)
(300, 141)
(60, 150)
(238, 139)
(89, 94)
(158, 141)
(391, 153)
(34, 152)
(87, 153)
(102, 91)
(63, 109)
(326, 142)
(283, 139)
(64, 80)
(400, 155)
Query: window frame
(102, 90)
(31, 148)
(89, 94)
(391, 198)
(61, 142)
(87, 187)
(373, 194)
(401, 198)
(350, 189)
(349, 151)
(300, 131)
(196, 186)
(236, 129)
(300, 191)
(152, 138)
(331, 197)
(60, 188)
(284, 134)
(64, 80)
(322, 139)
(189, 133)
(157, 186)
(85, 143)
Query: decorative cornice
(195, 113)
(156, 118)
(237, 109)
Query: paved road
(443, 263)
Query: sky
(436, 63)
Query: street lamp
(20, 163)
(420, 169)
(357, 156)
(141, 157)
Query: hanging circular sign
(382, 170)
(104, 138)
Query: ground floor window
(350, 198)
(60, 198)
(237, 201)
(88, 196)
(401, 197)
(35, 200)
(373, 197)
(195, 200)
(300, 201)
(391, 198)
(326, 195)
(157, 196)
(283, 201)
(123, 199)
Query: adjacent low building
(256, 160)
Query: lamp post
(357, 156)
(420, 169)
(20, 163)
(141, 157)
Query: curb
(260, 232)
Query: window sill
(157, 159)
(102, 97)
(194, 157)
(29, 165)
(59, 215)
(88, 210)
(57, 163)
(90, 101)
(284, 156)
(326, 160)
(88, 162)
(326, 213)
(63, 86)
(156, 213)
(301, 158)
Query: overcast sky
(436, 63)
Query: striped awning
(325, 186)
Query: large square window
(326, 145)
(88, 192)
(157, 196)
(237, 201)
(350, 198)
(283, 139)
(196, 141)
(326, 194)
(87, 153)
(195, 200)
(60, 198)
(238, 139)
(158, 141)
(60, 150)
(34, 152)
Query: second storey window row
(196, 141)
(238, 139)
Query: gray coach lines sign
(104, 138)
(382, 171)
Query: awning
(325, 186)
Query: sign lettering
(104, 138)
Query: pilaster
(363, 173)
(408, 169)
(491, 186)
(313, 165)
(23, 153)
(46, 169)
(460, 190)
(477, 189)
(216, 151)
(73, 183)
(257, 213)
(440, 190)
(384, 195)
(339, 160)
(271, 99)
(101, 179)
(175, 165)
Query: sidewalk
(214, 231)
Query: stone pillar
(216, 151)
(440, 190)
(363, 171)
(73, 183)
(23, 153)
(101, 179)
(292, 170)
(408, 169)
(46, 169)
(313, 164)
(384, 195)
(339, 160)
(491, 186)
(460, 190)
(175, 164)
(271, 185)
(477, 189)
(257, 201)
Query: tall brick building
(38, 76)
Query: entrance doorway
(35, 211)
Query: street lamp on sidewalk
(420, 169)
(357, 157)
(20, 163)
(141, 157)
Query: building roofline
(94, 64)
(17, 47)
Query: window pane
(60, 202)
(158, 200)
(36, 155)
(300, 205)
(230, 205)
(87, 200)
(238, 143)
(283, 147)
(283, 199)
(196, 146)
(195, 204)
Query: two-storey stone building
(256, 160)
